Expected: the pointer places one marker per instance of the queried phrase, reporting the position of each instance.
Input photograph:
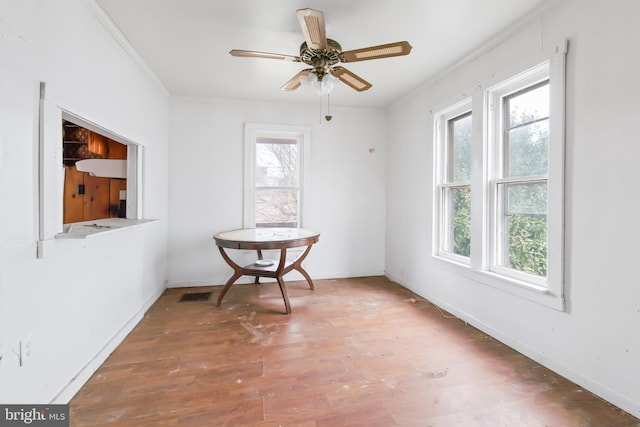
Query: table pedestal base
(275, 271)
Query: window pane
(276, 163)
(276, 208)
(458, 220)
(527, 131)
(526, 199)
(528, 106)
(528, 149)
(528, 245)
(460, 149)
(525, 228)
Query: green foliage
(528, 152)
(462, 222)
(528, 245)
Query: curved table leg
(297, 265)
(237, 273)
(257, 278)
(280, 279)
(283, 290)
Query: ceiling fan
(323, 54)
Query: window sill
(83, 231)
(528, 291)
(88, 229)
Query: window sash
(277, 207)
(455, 221)
(277, 162)
(452, 223)
(452, 150)
(517, 250)
(521, 235)
(510, 131)
(274, 187)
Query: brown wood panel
(96, 199)
(72, 200)
(116, 150)
(354, 352)
(98, 144)
(115, 185)
(101, 198)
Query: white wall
(345, 194)
(75, 304)
(74, 315)
(595, 341)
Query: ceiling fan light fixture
(322, 86)
(309, 80)
(326, 85)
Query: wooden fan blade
(350, 79)
(295, 81)
(377, 52)
(253, 54)
(313, 28)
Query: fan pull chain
(328, 117)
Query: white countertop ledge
(88, 229)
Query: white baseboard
(76, 383)
(188, 284)
(291, 276)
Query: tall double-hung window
(453, 133)
(520, 184)
(499, 184)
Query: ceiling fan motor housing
(321, 59)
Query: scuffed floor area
(354, 352)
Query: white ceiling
(186, 42)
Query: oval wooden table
(260, 239)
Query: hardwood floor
(354, 352)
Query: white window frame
(486, 130)
(253, 131)
(51, 177)
(441, 229)
(496, 146)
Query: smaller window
(453, 216)
(277, 182)
(274, 179)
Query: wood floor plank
(354, 352)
